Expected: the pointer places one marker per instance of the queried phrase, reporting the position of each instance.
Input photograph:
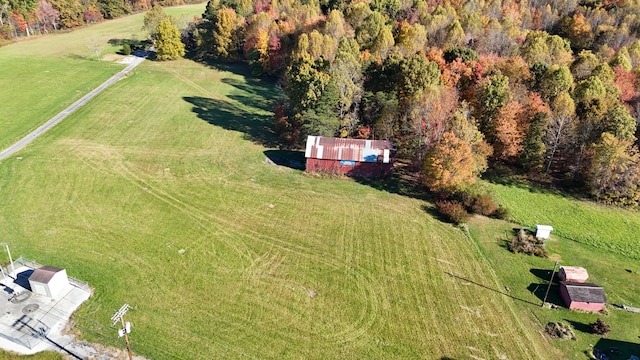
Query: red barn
(582, 296)
(352, 157)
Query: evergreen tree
(533, 148)
(556, 80)
(493, 95)
(620, 123)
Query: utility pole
(550, 281)
(13, 268)
(126, 327)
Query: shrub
(501, 213)
(527, 243)
(599, 327)
(126, 49)
(559, 330)
(453, 210)
(467, 198)
(484, 205)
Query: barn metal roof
(44, 274)
(319, 147)
(585, 292)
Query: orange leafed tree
(625, 82)
(509, 131)
(448, 165)
(18, 20)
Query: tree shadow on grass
(256, 93)
(503, 175)
(250, 108)
(255, 88)
(135, 44)
(617, 349)
(404, 181)
(236, 117)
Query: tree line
(547, 89)
(28, 17)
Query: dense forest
(548, 89)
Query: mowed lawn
(42, 76)
(158, 194)
(608, 228)
(526, 279)
(602, 239)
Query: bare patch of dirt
(112, 57)
(90, 351)
(555, 257)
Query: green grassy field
(42, 76)
(336, 269)
(598, 238)
(607, 228)
(158, 195)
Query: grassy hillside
(42, 76)
(608, 228)
(526, 279)
(158, 194)
(601, 239)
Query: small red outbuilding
(583, 296)
(352, 157)
(573, 274)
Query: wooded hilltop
(548, 89)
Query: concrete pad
(32, 323)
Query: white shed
(543, 231)
(49, 281)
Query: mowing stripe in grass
(73, 107)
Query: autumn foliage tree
(168, 43)
(614, 172)
(465, 129)
(225, 34)
(152, 19)
(509, 131)
(448, 166)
